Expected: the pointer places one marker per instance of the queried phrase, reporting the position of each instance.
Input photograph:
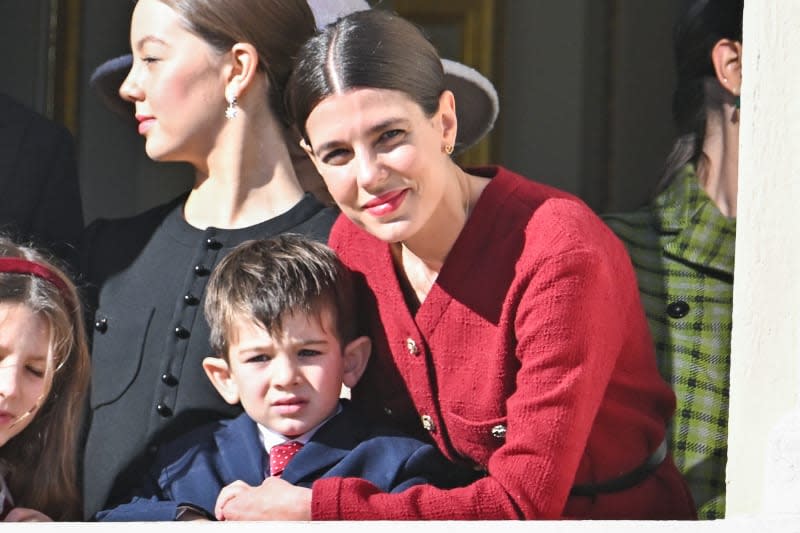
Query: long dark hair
(700, 25)
(372, 48)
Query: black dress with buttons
(146, 276)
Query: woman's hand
(23, 514)
(274, 499)
(228, 493)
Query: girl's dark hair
(700, 25)
(372, 48)
(40, 462)
(276, 28)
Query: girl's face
(176, 83)
(24, 353)
(381, 158)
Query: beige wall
(764, 438)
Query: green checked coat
(682, 249)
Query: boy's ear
(219, 373)
(356, 355)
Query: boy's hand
(23, 514)
(274, 499)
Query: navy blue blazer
(193, 468)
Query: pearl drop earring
(231, 111)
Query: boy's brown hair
(267, 280)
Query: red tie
(280, 455)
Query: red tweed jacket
(530, 359)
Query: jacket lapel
(692, 227)
(329, 445)
(241, 455)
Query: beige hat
(477, 105)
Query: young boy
(284, 325)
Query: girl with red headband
(44, 375)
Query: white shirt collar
(271, 438)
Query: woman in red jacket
(507, 321)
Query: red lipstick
(386, 203)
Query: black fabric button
(213, 244)
(152, 449)
(163, 410)
(101, 325)
(678, 309)
(181, 332)
(201, 270)
(191, 299)
(169, 379)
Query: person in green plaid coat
(682, 244)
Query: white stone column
(763, 472)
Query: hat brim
(106, 81)
(477, 104)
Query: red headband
(16, 265)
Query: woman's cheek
(342, 189)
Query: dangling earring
(737, 103)
(232, 110)
(448, 149)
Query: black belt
(627, 480)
